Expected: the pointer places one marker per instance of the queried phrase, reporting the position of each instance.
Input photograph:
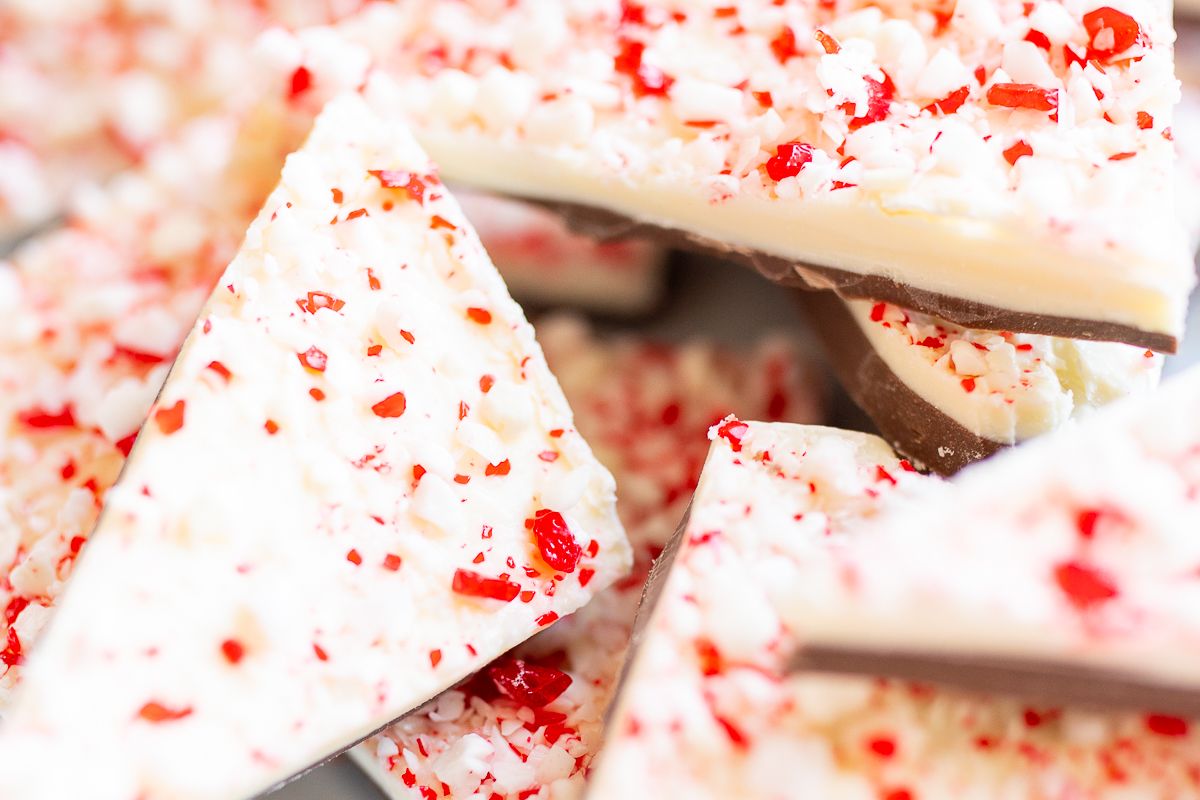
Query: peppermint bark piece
(948, 396)
(359, 411)
(645, 407)
(1000, 166)
(545, 264)
(1073, 567)
(707, 708)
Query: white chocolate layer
(706, 711)
(1002, 386)
(228, 605)
(1076, 548)
(645, 408)
(673, 115)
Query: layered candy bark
(545, 264)
(1072, 561)
(707, 709)
(360, 419)
(947, 396)
(90, 88)
(1002, 165)
(645, 408)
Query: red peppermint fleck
(1018, 150)
(882, 746)
(828, 43)
(585, 576)
(879, 102)
(733, 431)
(882, 474)
(1085, 586)
(929, 341)
(1144, 120)
(438, 221)
(271, 426)
(486, 382)
(1072, 56)
(220, 369)
(337, 195)
(736, 736)
(391, 406)
(951, 102)
(789, 159)
(648, 80)
(435, 658)
(301, 82)
(877, 312)
(500, 469)
(11, 655)
(413, 184)
(1039, 39)
(1023, 95)
(354, 558)
(898, 794)
(526, 683)
(1121, 156)
(555, 541)
(374, 350)
(968, 385)
(462, 479)
(473, 584)
(784, 45)
(764, 99)
(157, 712)
(372, 281)
(233, 650)
(19, 604)
(1086, 521)
(1109, 32)
(320, 652)
(392, 562)
(314, 359)
(318, 300)
(479, 315)
(409, 778)
(546, 619)
(408, 337)
(1165, 725)
(38, 417)
(170, 418)
(316, 394)
(126, 445)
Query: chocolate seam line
(1054, 683)
(604, 224)
(914, 426)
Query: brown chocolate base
(604, 224)
(911, 424)
(1052, 683)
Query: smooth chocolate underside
(911, 424)
(1032, 680)
(604, 224)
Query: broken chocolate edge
(910, 423)
(604, 224)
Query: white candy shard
(707, 711)
(228, 605)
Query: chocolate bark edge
(910, 423)
(603, 224)
(1034, 680)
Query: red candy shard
(784, 45)
(301, 82)
(555, 541)
(391, 406)
(1023, 95)
(314, 359)
(789, 159)
(733, 432)
(529, 684)
(1085, 586)
(413, 184)
(1165, 725)
(473, 584)
(647, 80)
(38, 417)
(157, 712)
(479, 315)
(318, 300)
(951, 102)
(1110, 32)
(170, 418)
(391, 562)
(828, 43)
(232, 650)
(1019, 149)
(503, 468)
(879, 102)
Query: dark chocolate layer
(912, 425)
(1052, 683)
(604, 224)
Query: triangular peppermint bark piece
(707, 709)
(947, 396)
(1072, 561)
(1003, 166)
(644, 406)
(359, 484)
